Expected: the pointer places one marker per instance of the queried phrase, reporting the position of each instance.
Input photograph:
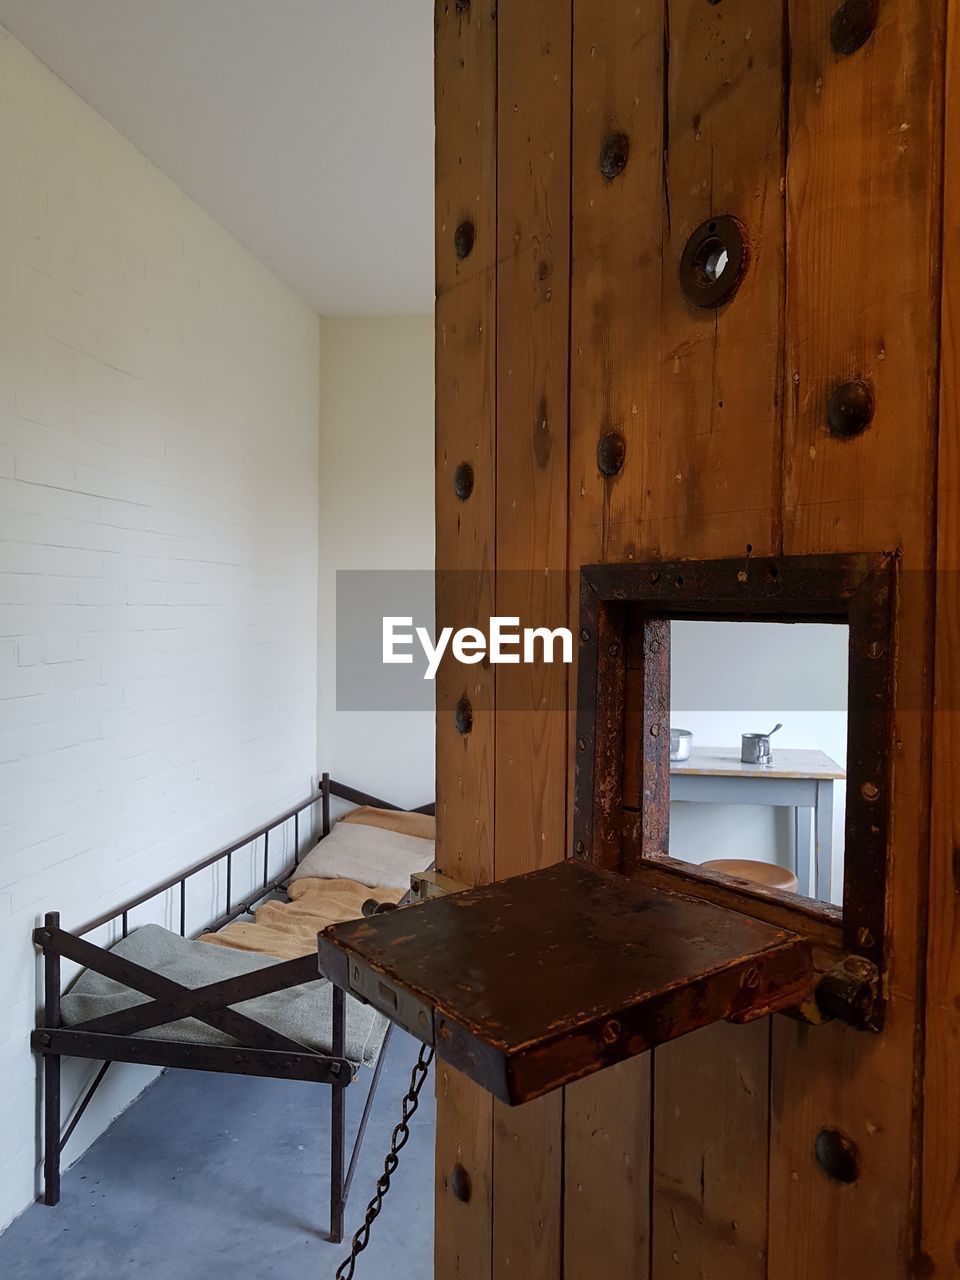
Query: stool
(769, 874)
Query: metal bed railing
(54, 1041)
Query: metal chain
(398, 1141)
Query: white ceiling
(304, 126)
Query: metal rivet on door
(614, 153)
(460, 1183)
(853, 24)
(463, 715)
(611, 453)
(464, 239)
(463, 481)
(837, 1155)
(850, 408)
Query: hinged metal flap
(540, 980)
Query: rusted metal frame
(51, 1069)
(600, 695)
(84, 1103)
(188, 1055)
(859, 589)
(149, 983)
(353, 796)
(789, 588)
(365, 1116)
(325, 805)
(873, 612)
(179, 881)
(328, 788)
(337, 1121)
(197, 1002)
(245, 907)
(820, 923)
(655, 738)
(53, 1041)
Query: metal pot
(681, 743)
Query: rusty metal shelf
(540, 980)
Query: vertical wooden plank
(532, 467)
(716, 493)
(709, 1221)
(607, 1184)
(532, 420)
(718, 470)
(466, 69)
(466, 164)
(617, 233)
(863, 170)
(940, 1236)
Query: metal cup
(755, 748)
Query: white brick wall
(158, 547)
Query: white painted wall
(377, 512)
(158, 548)
(729, 678)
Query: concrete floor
(211, 1177)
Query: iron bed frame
(258, 1051)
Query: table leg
(803, 830)
(824, 857)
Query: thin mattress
(302, 1013)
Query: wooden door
(602, 416)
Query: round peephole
(713, 262)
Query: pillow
(409, 824)
(371, 855)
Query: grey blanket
(303, 1013)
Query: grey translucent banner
(715, 665)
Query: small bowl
(681, 743)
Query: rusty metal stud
(853, 24)
(463, 481)
(463, 715)
(850, 992)
(850, 408)
(460, 1183)
(614, 153)
(611, 452)
(464, 238)
(714, 261)
(837, 1155)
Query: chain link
(398, 1141)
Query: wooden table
(799, 780)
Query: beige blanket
(289, 929)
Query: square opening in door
(781, 673)
(758, 750)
